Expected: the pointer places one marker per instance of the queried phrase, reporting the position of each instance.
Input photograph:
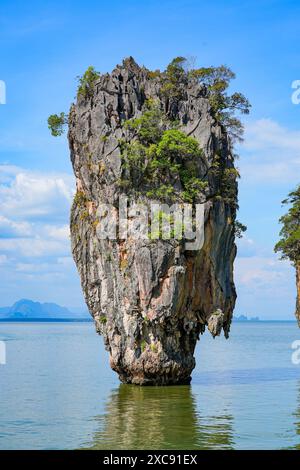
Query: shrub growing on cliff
(174, 79)
(289, 244)
(239, 229)
(226, 178)
(57, 123)
(162, 158)
(228, 185)
(175, 157)
(216, 80)
(149, 127)
(156, 155)
(87, 81)
(224, 106)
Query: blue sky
(45, 45)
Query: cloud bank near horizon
(35, 259)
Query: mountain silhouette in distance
(28, 309)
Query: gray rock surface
(150, 300)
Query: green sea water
(58, 392)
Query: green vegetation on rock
(57, 123)
(239, 229)
(87, 81)
(80, 198)
(216, 81)
(103, 319)
(159, 160)
(174, 79)
(289, 244)
(161, 157)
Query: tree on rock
(289, 244)
(57, 123)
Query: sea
(58, 392)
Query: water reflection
(297, 419)
(159, 418)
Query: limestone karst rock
(150, 299)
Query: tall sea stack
(151, 298)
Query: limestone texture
(150, 299)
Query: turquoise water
(57, 392)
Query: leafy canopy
(289, 244)
(239, 229)
(216, 80)
(57, 123)
(150, 125)
(87, 81)
(174, 79)
(161, 157)
(173, 82)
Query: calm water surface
(57, 392)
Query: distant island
(243, 318)
(28, 310)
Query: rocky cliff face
(150, 299)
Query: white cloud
(266, 273)
(34, 247)
(7, 172)
(265, 287)
(32, 268)
(31, 205)
(266, 133)
(25, 194)
(34, 231)
(271, 153)
(246, 246)
(3, 259)
(35, 252)
(59, 233)
(9, 228)
(66, 261)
